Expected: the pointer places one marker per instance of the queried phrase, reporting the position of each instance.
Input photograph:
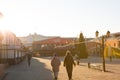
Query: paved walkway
(40, 69)
(37, 71)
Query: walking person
(68, 63)
(55, 63)
(29, 56)
(77, 59)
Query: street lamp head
(96, 33)
(108, 33)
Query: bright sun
(10, 22)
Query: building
(11, 48)
(114, 41)
(93, 48)
(49, 46)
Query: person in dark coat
(68, 63)
(29, 56)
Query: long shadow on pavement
(37, 71)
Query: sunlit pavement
(40, 69)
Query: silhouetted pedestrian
(55, 63)
(68, 63)
(29, 56)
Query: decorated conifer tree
(81, 47)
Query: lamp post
(103, 41)
(103, 57)
(103, 46)
(96, 34)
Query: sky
(65, 18)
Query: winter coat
(55, 63)
(69, 61)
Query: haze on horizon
(65, 18)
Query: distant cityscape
(45, 45)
